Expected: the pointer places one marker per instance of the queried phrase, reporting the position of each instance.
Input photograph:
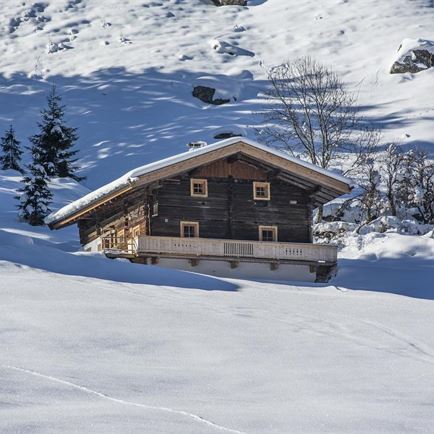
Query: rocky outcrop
(206, 94)
(414, 55)
(227, 135)
(230, 2)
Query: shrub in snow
(414, 55)
(394, 224)
(10, 157)
(412, 227)
(333, 232)
(398, 184)
(344, 209)
(380, 225)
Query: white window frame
(182, 224)
(204, 182)
(273, 229)
(266, 186)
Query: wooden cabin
(233, 208)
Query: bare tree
(393, 169)
(371, 197)
(423, 181)
(310, 110)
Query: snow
(106, 346)
(93, 345)
(132, 102)
(131, 176)
(408, 45)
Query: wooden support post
(229, 233)
(139, 260)
(274, 266)
(310, 221)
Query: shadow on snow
(411, 277)
(40, 255)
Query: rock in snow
(230, 2)
(224, 47)
(206, 94)
(414, 55)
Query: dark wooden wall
(229, 211)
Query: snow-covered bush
(333, 232)
(398, 184)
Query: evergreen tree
(11, 152)
(35, 196)
(55, 141)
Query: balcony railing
(216, 248)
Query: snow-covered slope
(84, 355)
(127, 68)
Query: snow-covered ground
(86, 355)
(93, 345)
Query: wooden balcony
(203, 248)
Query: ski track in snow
(124, 402)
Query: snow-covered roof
(129, 178)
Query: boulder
(224, 47)
(414, 55)
(227, 135)
(206, 94)
(230, 2)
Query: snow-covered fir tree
(55, 141)
(35, 196)
(10, 155)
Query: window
(155, 209)
(138, 230)
(189, 229)
(199, 187)
(267, 233)
(261, 191)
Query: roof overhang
(324, 185)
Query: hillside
(93, 345)
(126, 69)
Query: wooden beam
(71, 219)
(194, 262)
(274, 266)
